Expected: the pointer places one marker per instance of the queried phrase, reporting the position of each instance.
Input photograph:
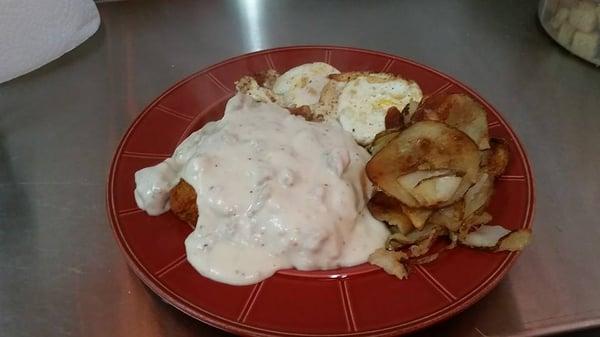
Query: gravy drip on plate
(274, 192)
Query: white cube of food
(583, 17)
(565, 34)
(585, 44)
(561, 16)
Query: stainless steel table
(61, 272)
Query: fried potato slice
(477, 219)
(389, 209)
(422, 234)
(183, 202)
(498, 157)
(433, 191)
(411, 180)
(515, 241)
(422, 247)
(484, 237)
(399, 240)
(497, 238)
(424, 145)
(472, 221)
(382, 138)
(417, 216)
(450, 217)
(479, 195)
(459, 111)
(390, 262)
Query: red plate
(355, 301)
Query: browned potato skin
(394, 119)
(432, 109)
(459, 111)
(389, 209)
(424, 145)
(382, 138)
(183, 202)
(498, 157)
(417, 216)
(450, 217)
(478, 197)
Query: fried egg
(247, 85)
(302, 85)
(364, 101)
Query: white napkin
(35, 32)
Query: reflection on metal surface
(251, 14)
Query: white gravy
(274, 192)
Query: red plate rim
(240, 328)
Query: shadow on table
(16, 231)
(15, 212)
(186, 325)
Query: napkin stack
(35, 32)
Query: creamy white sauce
(274, 192)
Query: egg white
(302, 85)
(364, 101)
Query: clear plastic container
(575, 25)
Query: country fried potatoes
(435, 178)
